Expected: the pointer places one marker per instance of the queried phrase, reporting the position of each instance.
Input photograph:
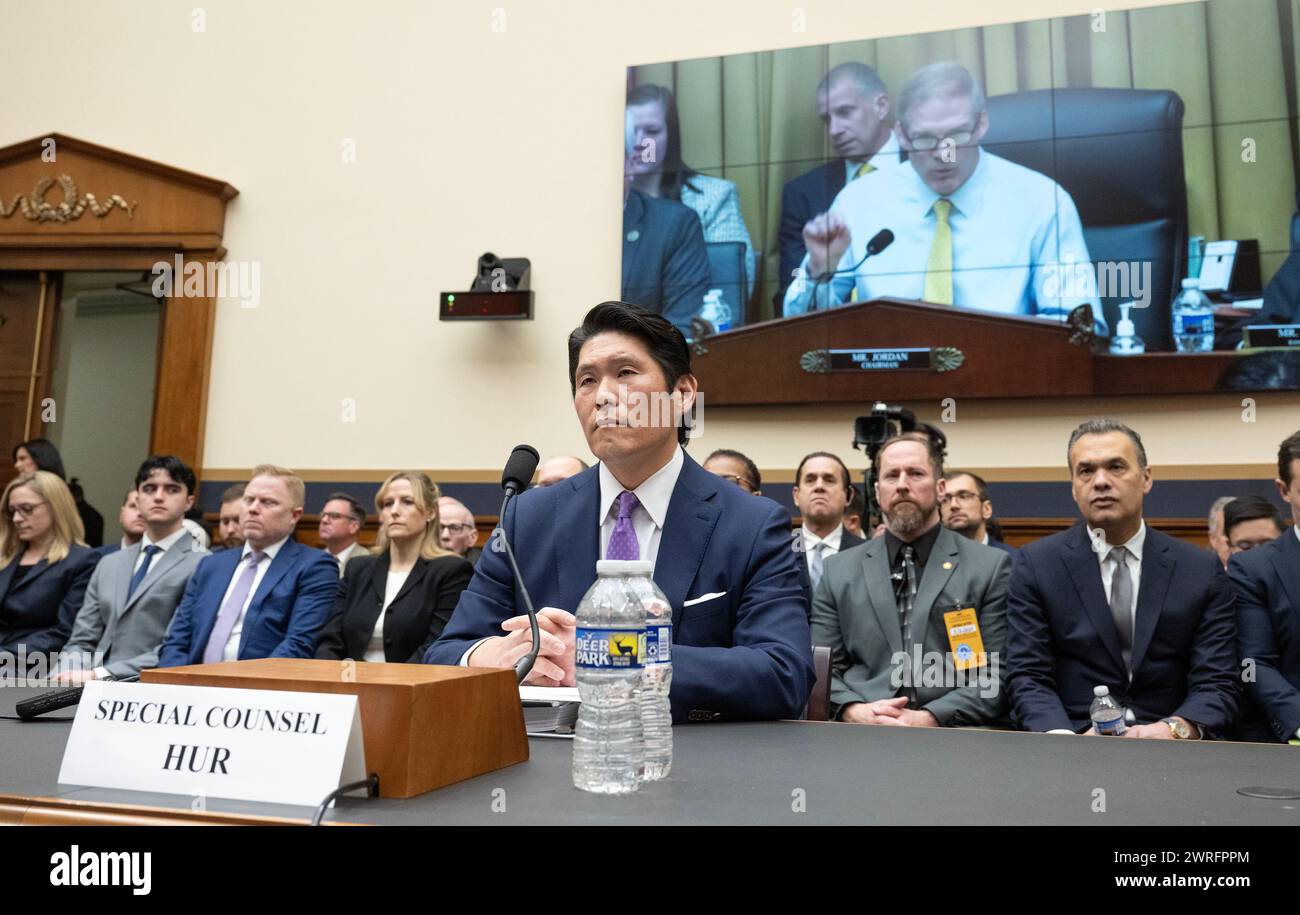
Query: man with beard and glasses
(914, 618)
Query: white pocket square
(703, 597)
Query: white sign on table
(205, 741)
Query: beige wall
(467, 139)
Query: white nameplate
(206, 741)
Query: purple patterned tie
(225, 624)
(622, 543)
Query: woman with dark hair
(40, 454)
(658, 171)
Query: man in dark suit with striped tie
(1112, 602)
(854, 105)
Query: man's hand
(74, 677)
(827, 238)
(918, 718)
(554, 666)
(1157, 731)
(882, 711)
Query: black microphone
(879, 242)
(520, 467)
(58, 698)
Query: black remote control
(48, 702)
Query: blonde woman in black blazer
(394, 603)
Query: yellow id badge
(964, 638)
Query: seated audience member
(341, 520)
(40, 454)
(230, 535)
(971, 229)
(132, 523)
(658, 171)
(268, 600)
(392, 605)
(1113, 602)
(1267, 584)
(822, 490)
(723, 559)
(882, 637)
(1250, 521)
(734, 466)
(665, 260)
(854, 514)
(134, 592)
(553, 470)
(853, 103)
(1217, 538)
(967, 509)
(46, 566)
(457, 529)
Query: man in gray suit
(134, 592)
(916, 618)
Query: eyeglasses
(454, 529)
(961, 494)
(23, 511)
(925, 142)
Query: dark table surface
(763, 773)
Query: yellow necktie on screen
(866, 168)
(938, 268)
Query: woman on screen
(658, 171)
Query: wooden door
(28, 306)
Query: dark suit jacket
(284, 618)
(414, 619)
(1281, 303)
(741, 650)
(40, 611)
(847, 541)
(1061, 640)
(665, 262)
(1267, 582)
(1004, 547)
(803, 198)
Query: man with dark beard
(915, 618)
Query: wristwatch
(1179, 728)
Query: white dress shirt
(886, 157)
(1133, 559)
(648, 517)
(1017, 243)
(232, 644)
(375, 648)
(830, 543)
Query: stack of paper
(550, 709)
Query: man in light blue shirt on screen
(971, 229)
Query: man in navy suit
(1267, 582)
(1111, 602)
(822, 493)
(268, 600)
(853, 104)
(741, 646)
(665, 261)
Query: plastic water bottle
(1107, 715)
(716, 310)
(608, 753)
(657, 675)
(1193, 319)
